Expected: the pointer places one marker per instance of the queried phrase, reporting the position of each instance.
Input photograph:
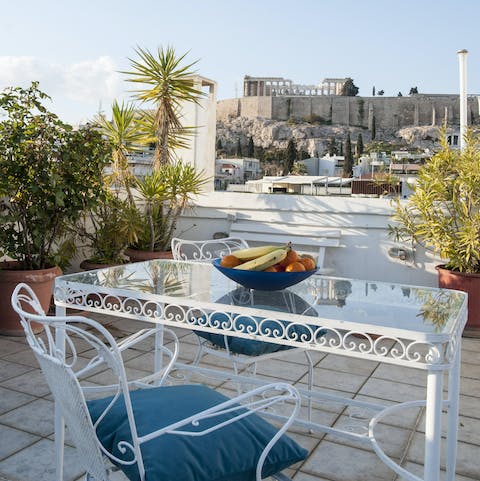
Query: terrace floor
(26, 413)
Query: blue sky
(75, 49)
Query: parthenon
(279, 86)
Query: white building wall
(363, 222)
(201, 152)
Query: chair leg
(309, 382)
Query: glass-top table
(405, 325)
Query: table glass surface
(387, 305)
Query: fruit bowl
(263, 281)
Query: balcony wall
(363, 222)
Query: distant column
(462, 58)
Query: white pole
(462, 58)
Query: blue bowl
(263, 281)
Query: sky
(76, 50)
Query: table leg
(59, 423)
(433, 427)
(452, 416)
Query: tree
(332, 147)
(399, 94)
(348, 159)
(360, 146)
(219, 144)
(373, 91)
(349, 89)
(238, 151)
(169, 84)
(250, 148)
(380, 92)
(413, 91)
(124, 135)
(290, 156)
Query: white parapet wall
(367, 251)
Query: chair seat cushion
(227, 454)
(246, 324)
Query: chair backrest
(205, 250)
(56, 351)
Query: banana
(253, 252)
(262, 262)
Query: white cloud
(76, 89)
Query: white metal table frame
(128, 292)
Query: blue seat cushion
(227, 454)
(252, 347)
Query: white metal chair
(184, 249)
(239, 352)
(167, 432)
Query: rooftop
(26, 412)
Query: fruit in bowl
(267, 267)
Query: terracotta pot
(469, 283)
(139, 256)
(41, 281)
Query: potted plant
(105, 231)
(49, 174)
(163, 195)
(443, 214)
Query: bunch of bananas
(268, 259)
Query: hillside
(313, 138)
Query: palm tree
(169, 85)
(125, 135)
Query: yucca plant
(443, 214)
(162, 197)
(168, 84)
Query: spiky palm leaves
(169, 85)
(125, 135)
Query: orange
(308, 263)
(295, 267)
(230, 261)
(275, 268)
(292, 256)
(270, 269)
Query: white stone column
(462, 58)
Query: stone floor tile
(25, 357)
(32, 382)
(282, 369)
(470, 386)
(417, 469)
(401, 374)
(300, 476)
(9, 347)
(406, 418)
(470, 344)
(469, 406)
(36, 417)
(106, 377)
(340, 462)
(37, 463)
(471, 371)
(11, 399)
(472, 357)
(10, 370)
(468, 428)
(392, 391)
(347, 364)
(14, 440)
(467, 456)
(327, 405)
(341, 381)
(392, 440)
